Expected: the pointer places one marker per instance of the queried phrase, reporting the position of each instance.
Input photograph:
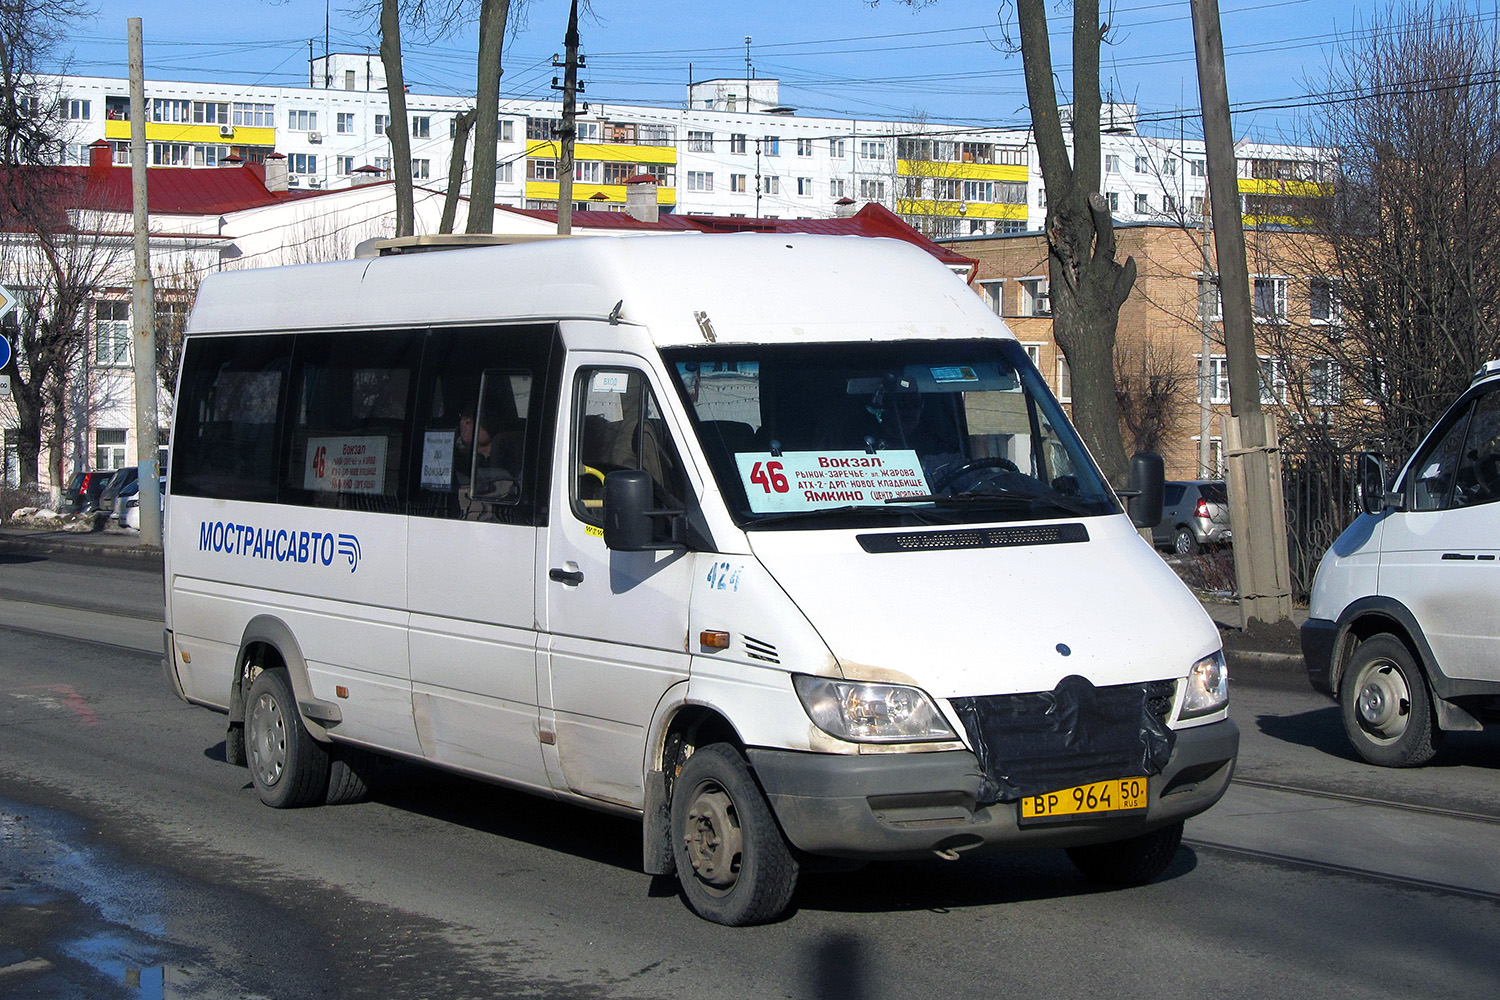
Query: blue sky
(944, 62)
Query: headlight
(1207, 688)
(871, 713)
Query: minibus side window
(224, 445)
(1451, 474)
(350, 404)
(618, 425)
(1435, 470)
(479, 408)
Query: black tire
(1386, 706)
(234, 744)
(1129, 862)
(350, 771)
(733, 864)
(1185, 543)
(289, 767)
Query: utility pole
(143, 302)
(1255, 500)
(1206, 299)
(757, 178)
(569, 131)
(747, 72)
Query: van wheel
(350, 772)
(1129, 862)
(289, 767)
(1185, 543)
(733, 864)
(1385, 704)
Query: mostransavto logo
(278, 544)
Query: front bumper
(1319, 637)
(872, 806)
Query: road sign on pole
(7, 303)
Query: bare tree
(1412, 261)
(462, 126)
(493, 15)
(1154, 388)
(397, 130)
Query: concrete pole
(1206, 300)
(143, 303)
(569, 128)
(1260, 554)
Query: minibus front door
(615, 622)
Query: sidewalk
(107, 544)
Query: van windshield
(855, 435)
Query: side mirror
(1371, 482)
(628, 525)
(1147, 489)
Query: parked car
(1196, 517)
(83, 490)
(123, 480)
(127, 505)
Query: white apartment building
(711, 156)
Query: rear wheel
(1129, 862)
(1386, 707)
(289, 767)
(1185, 543)
(734, 866)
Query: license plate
(1116, 795)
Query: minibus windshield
(868, 434)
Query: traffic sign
(7, 303)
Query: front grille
(986, 538)
(1039, 742)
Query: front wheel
(1129, 862)
(289, 767)
(1385, 704)
(1185, 543)
(734, 865)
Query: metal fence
(1322, 499)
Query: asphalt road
(134, 862)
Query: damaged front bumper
(873, 806)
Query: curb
(80, 545)
(1281, 662)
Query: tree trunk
(1087, 285)
(398, 129)
(492, 17)
(463, 125)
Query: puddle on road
(75, 920)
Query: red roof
(169, 190)
(873, 220)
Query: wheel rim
(267, 739)
(1383, 705)
(714, 840)
(1185, 543)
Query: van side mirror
(1147, 489)
(629, 524)
(1372, 496)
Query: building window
(1324, 384)
(1169, 166)
(172, 111)
(255, 115)
(1322, 302)
(345, 123)
(1143, 164)
(588, 171)
(542, 128)
(1168, 203)
(346, 165)
(75, 110)
(1114, 200)
(382, 122)
(771, 145)
(1041, 197)
(662, 172)
(421, 127)
(1035, 300)
(805, 186)
(1142, 204)
(302, 163)
(837, 189)
(700, 142)
(209, 156)
(947, 189)
(772, 185)
(507, 131)
(1270, 300)
(1111, 163)
(872, 190)
(1218, 380)
(1197, 168)
(121, 153)
(109, 448)
(1272, 381)
(210, 113)
(349, 79)
(1210, 299)
(700, 180)
(836, 148)
(421, 169)
(171, 154)
(1195, 205)
(979, 191)
(112, 333)
(541, 170)
(737, 183)
(872, 149)
(736, 142)
(1064, 380)
(302, 121)
(616, 173)
(804, 147)
(990, 292)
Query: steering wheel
(995, 462)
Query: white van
(1402, 626)
(779, 543)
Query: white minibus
(778, 543)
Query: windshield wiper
(1072, 505)
(925, 517)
